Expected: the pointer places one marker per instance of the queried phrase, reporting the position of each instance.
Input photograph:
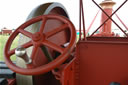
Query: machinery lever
(21, 52)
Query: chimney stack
(107, 6)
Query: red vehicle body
(57, 59)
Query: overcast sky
(14, 12)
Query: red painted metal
(80, 38)
(81, 14)
(83, 20)
(39, 39)
(92, 22)
(107, 26)
(102, 62)
(11, 81)
(68, 73)
(121, 21)
(98, 60)
(109, 17)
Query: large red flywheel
(39, 39)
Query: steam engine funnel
(107, 6)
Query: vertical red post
(107, 5)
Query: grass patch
(3, 40)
